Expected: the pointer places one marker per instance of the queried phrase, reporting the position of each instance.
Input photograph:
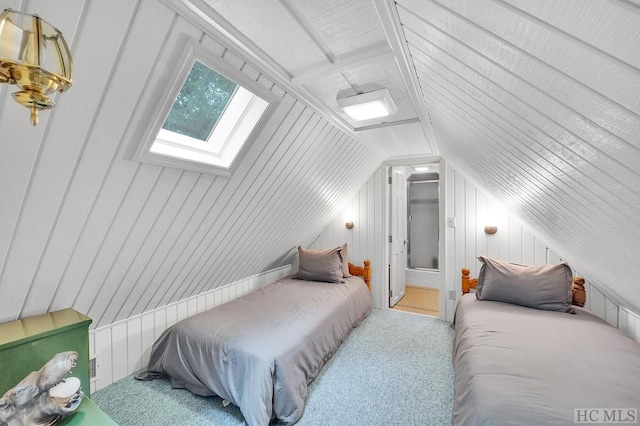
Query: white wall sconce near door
(35, 57)
(490, 229)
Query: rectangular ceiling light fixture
(366, 106)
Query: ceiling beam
(307, 27)
(372, 53)
(390, 21)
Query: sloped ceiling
(83, 226)
(538, 101)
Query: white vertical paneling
(366, 240)
(202, 302)
(528, 247)
(515, 239)
(450, 184)
(91, 272)
(134, 344)
(192, 306)
(123, 348)
(171, 316)
(83, 226)
(611, 312)
(512, 97)
(470, 207)
(629, 323)
(58, 157)
(597, 303)
(119, 351)
(587, 288)
(90, 201)
(539, 252)
(19, 162)
(469, 218)
(183, 311)
(160, 318)
(480, 220)
(104, 358)
(147, 336)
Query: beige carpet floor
(420, 300)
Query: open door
(398, 227)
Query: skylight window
(200, 103)
(207, 115)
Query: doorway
(423, 220)
(415, 229)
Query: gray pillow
(546, 287)
(320, 265)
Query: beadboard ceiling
(536, 101)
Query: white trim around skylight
(249, 110)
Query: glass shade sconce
(35, 57)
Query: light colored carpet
(420, 300)
(395, 369)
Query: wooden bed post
(579, 294)
(364, 272)
(367, 273)
(467, 283)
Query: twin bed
(260, 351)
(525, 354)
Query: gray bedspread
(260, 351)
(523, 366)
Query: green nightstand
(27, 344)
(89, 414)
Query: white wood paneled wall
(538, 100)
(629, 323)
(82, 226)
(367, 238)
(472, 209)
(514, 242)
(124, 347)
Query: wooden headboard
(579, 293)
(362, 271)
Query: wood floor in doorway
(420, 300)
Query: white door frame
(442, 261)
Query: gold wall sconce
(490, 229)
(35, 57)
(349, 225)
